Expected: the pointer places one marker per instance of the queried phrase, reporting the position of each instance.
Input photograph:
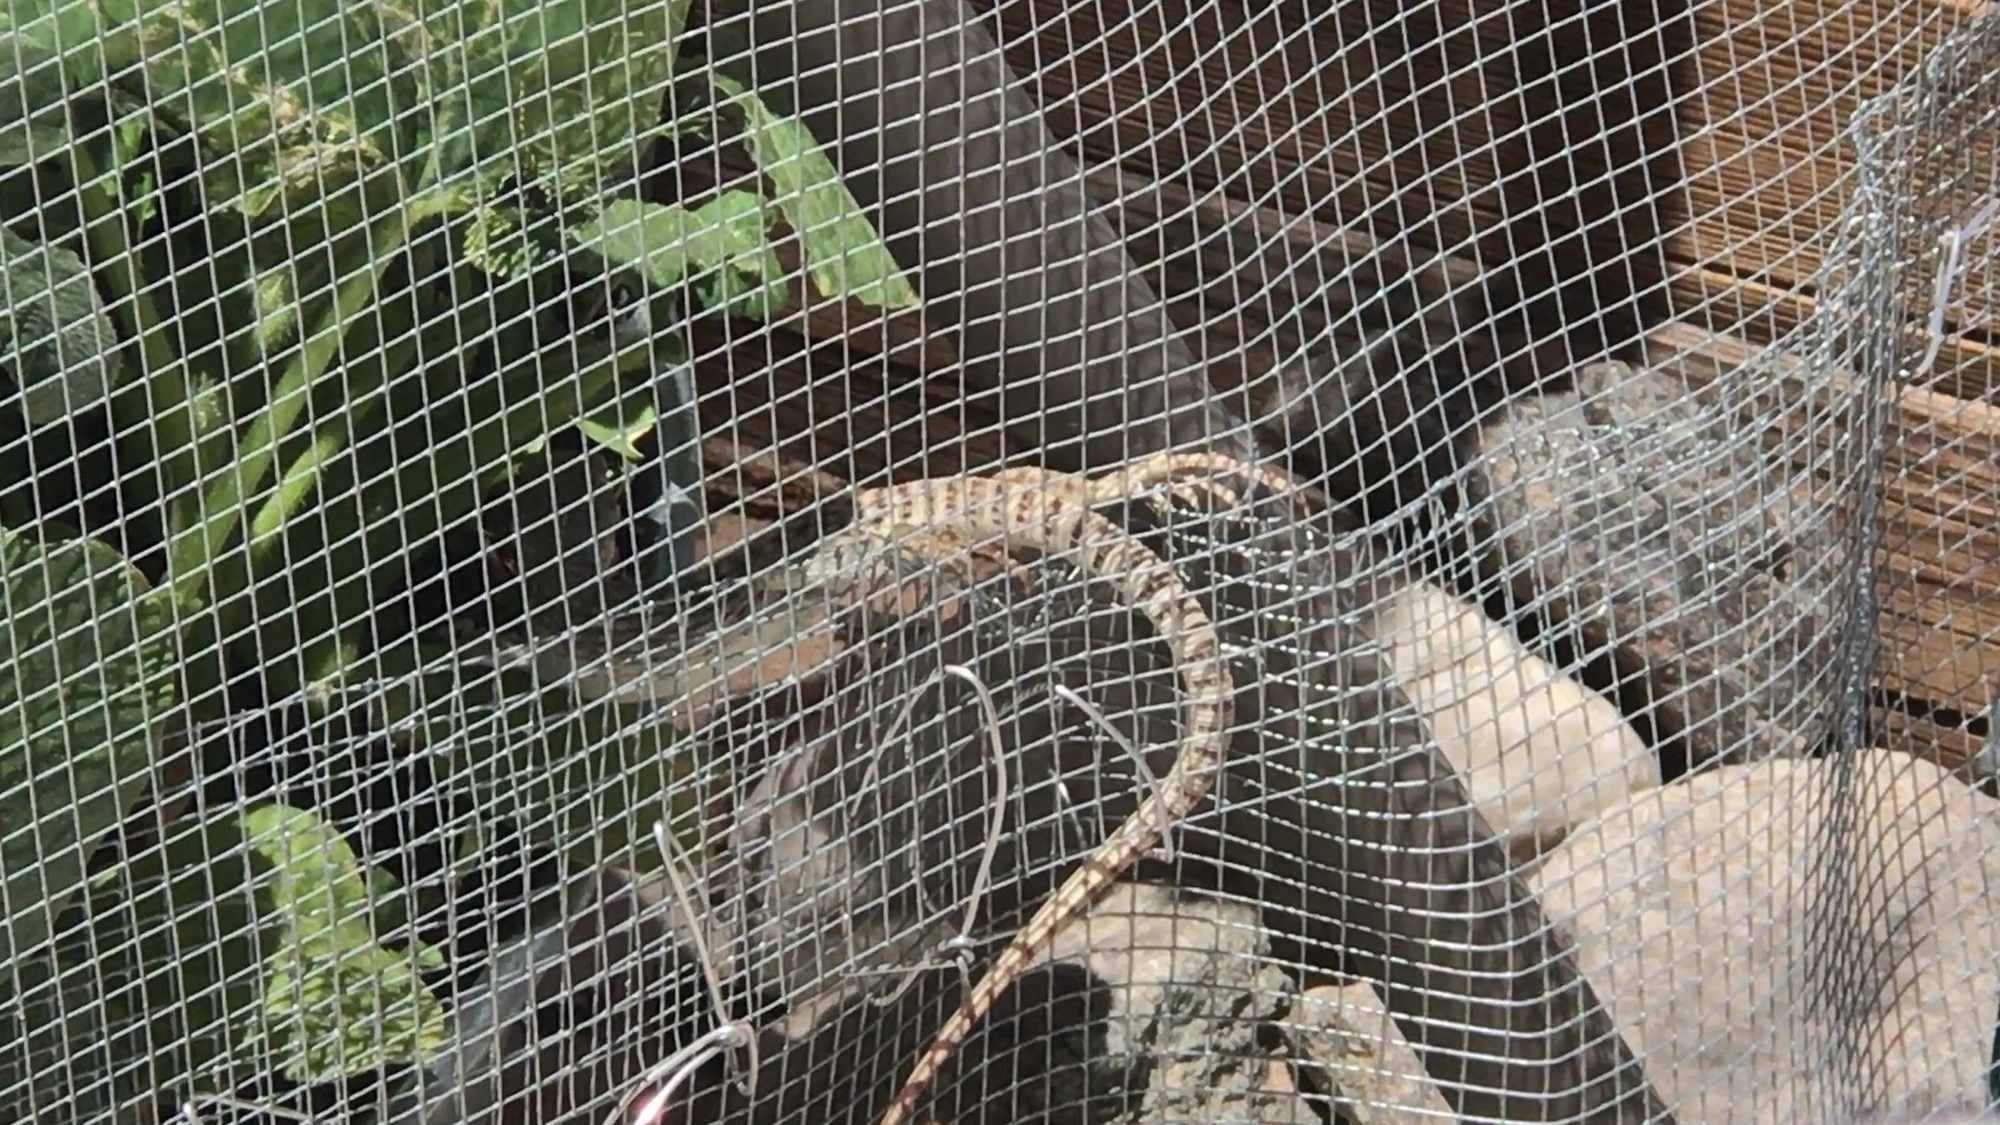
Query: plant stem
(222, 508)
(302, 475)
(167, 422)
(453, 486)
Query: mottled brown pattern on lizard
(1202, 747)
(1052, 514)
(635, 660)
(786, 627)
(1049, 513)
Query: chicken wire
(449, 687)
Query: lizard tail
(1149, 586)
(1139, 832)
(936, 1055)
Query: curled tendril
(654, 1092)
(1145, 771)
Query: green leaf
(334, 1001)
(348, 1012)
(90, 669)
(287, 97)
(157, 962)
(33, 125)
(665, 243)
(616, 437)
(563, 90)
(25, 143)
(735, 292)
(59, 346)
(319, 886)
(497, 241)
(843, 249)
(724, 244)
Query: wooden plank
(1938, 566)
(1965, 369)
(1765, 148)
(1949, 744)
(1940, 569)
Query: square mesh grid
(941, 560)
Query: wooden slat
(1765, 149)
(1763, 314)
(1940, 569)
(1948, 744)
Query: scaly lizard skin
(632, 659)
(1051, 512)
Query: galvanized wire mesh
(469, 662)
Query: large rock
(1643, 517)
(1780, 943)
(1191, 984)
(1539, 752)
(1352, 1048)
(1154, 1004)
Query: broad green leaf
(288, 97)
(55, 340)
(90, 672)
(843, 250)
(34, 121)
(157, 961)
(564, 91)
(665, 243)
(319, 886)
(497, 240)
(734, 292)
(24, 143)
(724, 244)
(333, 1012)
(334, 1001)
(87, 39)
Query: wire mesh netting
(940, 561)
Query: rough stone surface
(1353, 1049)
(1648, 519)
(1180, 987)
(1191, 983)
(1781, 943)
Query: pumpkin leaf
(91, 664)
(56, 342)
(335, 1002)
(846, 256)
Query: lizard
(957, 519)
(1050, 512)
(630, 657)
(1057, 501)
